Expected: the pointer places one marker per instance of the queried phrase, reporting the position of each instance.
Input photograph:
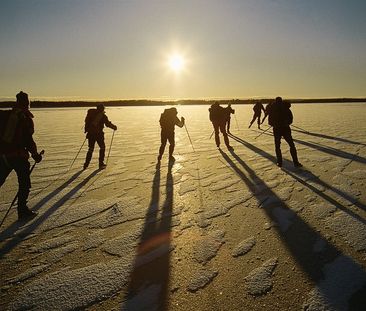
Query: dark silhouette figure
(218, 117)
(280, 118)
(258, 107)
(94, 124)
(16, 142)
(266, 112)
(229, 111)
(168, 121)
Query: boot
(24, 213)
(102, 166)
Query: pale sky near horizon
(94, 49)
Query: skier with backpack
(168, 121)
(16, 142)
(218, 117)
(280, 117)
(258, 107)
(94, 124)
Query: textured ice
(123, 244)
(342, 278)
(52, 243)
(206, 247)
(284, 217)
(259, 281)
(145, 300)
(29, 273)
(350, 228)
(74, 289)
(201, 278)
(323, 210)
(244, 247)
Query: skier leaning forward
(168, 121)
(94, 124)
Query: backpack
(279, 115)
(9, 121)
(217, 113)
(167, 118)
(93, 120)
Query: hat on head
(100, 107)
(22, 100)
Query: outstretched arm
(180, 122)
(109, 124)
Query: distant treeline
(121, 103)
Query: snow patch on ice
(201, 278)
(284, 217)
(73, 289)
(351, 229)
(343, 277)
(259, 281)
(207, 247)
(244, 247)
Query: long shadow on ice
(332, 151)
(299, 238)
(15, 225)
(24, 232)
(343, 140)
(308, 179)
(149, 280)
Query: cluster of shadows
(155, 241)
(22, 235)
(300, 237)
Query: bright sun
(176, 62)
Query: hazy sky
(100, 49)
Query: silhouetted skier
(218, 117)
(94, 124)
(16, 142)
(280, 117)
(266, 111)
(168, 121)
(258, 107)
(228, 111)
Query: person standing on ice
(94, 124)
(168, 121)
(218, 117)
(16, 142)
(266, 111)
(229, 111)
(258, 107)
(280, 117)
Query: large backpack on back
(168, 118)
(279, 115)
(9, 121)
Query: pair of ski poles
(271, 126)
(82, 145)
(16, 196)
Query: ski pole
(16, 196)
(212, 134)
(236, 120)
(77, 154)
(299, 128)
(189, 137)
(263, 132)
(110, 147)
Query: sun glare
(176, 62)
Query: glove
(115, 128)
(182, 119)
(37, 157)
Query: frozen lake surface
(214, 231)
